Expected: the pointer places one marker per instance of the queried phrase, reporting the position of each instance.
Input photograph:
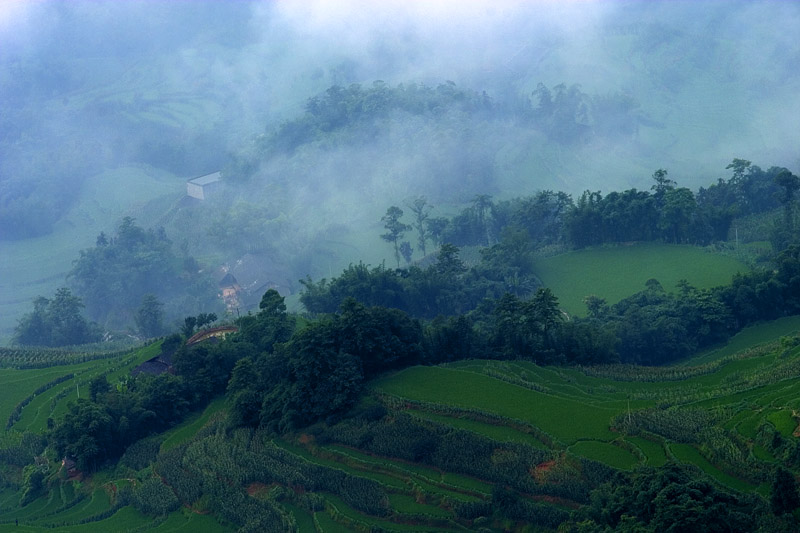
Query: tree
(662, 185)
(677, 212)
(787, 233)
(421, 210)
(448, 262)
(205, 318)
(435, 229)
(56, 322)
(394, 229)
(189, 324)
(784, 498)
(482, 203)
(97, 387)
(150, 316)
(596, 306)
(406, 251)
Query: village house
(229, 290)
(203, 186)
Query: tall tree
(395, 229)
(662, 185)
(150, 316)
(789, 184)
(56, 322)
(482, 203)
(421, 210)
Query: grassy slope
(588, 402)
(750, 336)
(576, 409)
(616, 272)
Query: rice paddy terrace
(731, 412)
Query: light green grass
(18, 384)
(417, 471)
(124, 520)
(303, 519)
(371, 521)
(185, 521)
(35, 414)
(407, 504)
(326, 524)
(563, 418)
(605, 452)
(762, 454)
(383, 479)
(689, 454)
(654, 451)
(494, 432)
(784, 422)
(616, 272)
(749, 337)
(188, 428)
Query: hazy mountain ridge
(87, 95)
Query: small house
(70, 467)
(229, 290)
(202, 186)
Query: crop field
(749, 336)
(718, 413)
(616, 272)
(187, 429)
(625, 416)
(52, 402)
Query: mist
(109, 107)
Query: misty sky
(134, 97)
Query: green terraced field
(53, 402)
(749, 336)
(183, 432)
(584, 411)
(616, 272)
(605, 452)
(570, 414)
(559, 416)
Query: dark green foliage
(394, 230)
(674, 498)
(270, 326)
(450, 449)
(149, 317)
(141, 453)
(98, 430)
(784, 497)
(56, 322)
(509, 503)
(189, 323)
(445, 287)
(171, 343)
(98, 386)
(154, 498)
(320, 369)
(186, 484)
(116, 275)
(23, 453)
(32, 484)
